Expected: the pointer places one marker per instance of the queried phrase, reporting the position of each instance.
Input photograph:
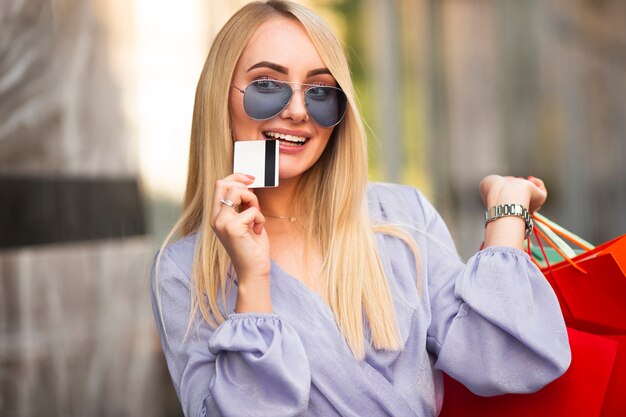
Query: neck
(278, 201)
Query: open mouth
(286, 140)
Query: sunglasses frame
(304, 91)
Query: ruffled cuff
(261, 365)
(246, 332)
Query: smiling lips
(286, 140)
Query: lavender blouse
(493, 324)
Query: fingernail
(249, 176)
(530, 177)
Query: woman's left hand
(495, 190)
(531, 192)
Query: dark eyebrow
(318, 72)
(271, 65)
(285, 70)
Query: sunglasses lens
(326, 105)
(264, 99)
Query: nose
(296, 109)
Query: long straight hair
(333, 190)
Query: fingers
(540, 194)
(238, 224)
(227, 219)
(538, 182)
(222, 188)
(243, 197)
(252, 216)
(530, 192)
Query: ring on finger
(229, 204)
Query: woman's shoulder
(179, 254)
(398, 203)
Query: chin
(290, 174)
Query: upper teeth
(282, 136)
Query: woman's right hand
(244, 236)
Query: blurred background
(95, 111)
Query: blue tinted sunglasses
(264, 99)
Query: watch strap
(505, 210)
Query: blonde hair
(333, 191)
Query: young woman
(327, 296)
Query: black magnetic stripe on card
(270, 163)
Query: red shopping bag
(593, 299)
(591, 288)
(593, 296)
(580, 392)
(615, 400)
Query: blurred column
(584, 53)
(472, 121)
(518, 94)
(76, 330)
(385, 58)
(437, 138)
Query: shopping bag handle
(550, 232)
(566, 234)
(556, 288)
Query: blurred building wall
(76, 332)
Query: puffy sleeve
(496, 324)
(251, 365)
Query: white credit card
(258, 158)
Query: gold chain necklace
(292, 219)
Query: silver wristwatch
(503, 210)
